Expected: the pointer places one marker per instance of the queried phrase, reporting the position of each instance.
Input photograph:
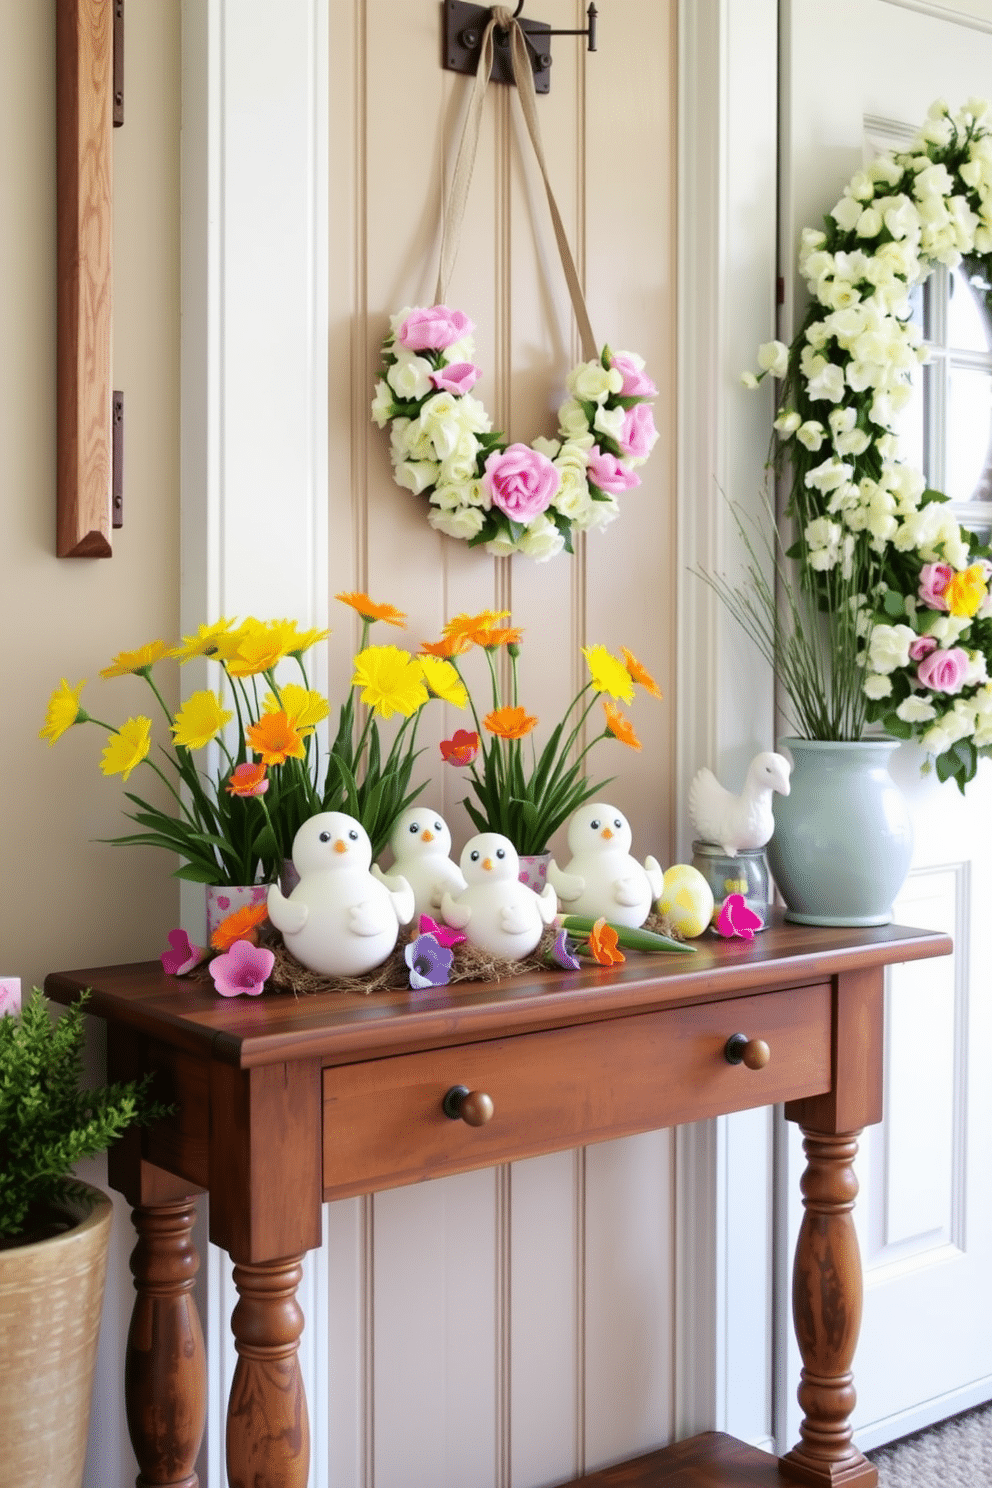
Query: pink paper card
(10, 995)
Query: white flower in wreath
(416, 475)
(382, 403)
(591, 382)
(410, 376)
(877, 685)
(888, 648)
(811, 434)
(409, 440)
(574, 499)
(459, 467)
(917, 709)
(450, 495)
(610, 421)
(572, 421)
(464, 522)
(542, 540)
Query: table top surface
(341, 1027)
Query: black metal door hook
(465, 24)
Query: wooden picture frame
(84, 58)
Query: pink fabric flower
(242, 969)
(636, 382)
(459, 377)
(521, 482)
(934, 579)
(183, 956)
(443, 934)
(609, 474)
(736, 918)
(922, 646)
(639, 433)
(944, 671)
(433, 329)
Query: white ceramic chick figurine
(732, 822)
(339, 920)
(496, 911)
(421, 844)
(602, 878)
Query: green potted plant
(54, 1236)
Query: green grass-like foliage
(48, 1120)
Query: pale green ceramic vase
(843, 837)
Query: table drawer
(384, 1125)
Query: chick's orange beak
(427, 836)
(340, 845)
(487, 863)
(607, 833)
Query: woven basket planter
(51, 1298)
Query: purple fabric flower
(434, 328)
(609, 474)
(459, 377)
(429, 961)
(242, 969)
(562, 954)
(183, 956)
(443, 934)
(736, 919)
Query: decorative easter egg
(339, 920)
(686, 900)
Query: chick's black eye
(595, 825)
(617, 822)
(325, 836)
(439, 826)
(474, 855)
(500, 853)
(353, 835)
(414, 828)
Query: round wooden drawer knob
(754, 1053)
(474, 1107)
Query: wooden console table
(283, 1103)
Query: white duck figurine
(339, 920)
(602, 878)
(421, 844)
(497, 912)
(735, 822)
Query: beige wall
(68, 900)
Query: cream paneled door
(855, 74)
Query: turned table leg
(268, 1430)
(826, 1305)
(165, 1365)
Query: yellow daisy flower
(204, 643)
(966, 592)
(128, 663)
(128, 747)
(302, 706)
(392, 681)
(63, 711)
(301, 640)
(607, 674)
(260, 647)
(199, 720)
(443, 681)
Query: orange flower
(241, 925)
(369, 610)
(640, 674)
(603, 944)
(509, 723)
(494, 636)
(620, 726)
(446, 648)
(247, 780)
(275, 739)
(469, 625)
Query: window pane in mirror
(910, 423)
(969, 435)
(969, 323)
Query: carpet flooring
(956, 1453)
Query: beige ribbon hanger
(461, 179)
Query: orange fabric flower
(241, 925)
(447, 647)
(603, 944)
(247, 780)
(275, 739)
(493, 636)
(640, 674)
(468, 626)
(620, 726)
(509, 723)
(369, 610)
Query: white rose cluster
(870, 530)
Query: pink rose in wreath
(609, 474)
(458, 377)
(521, 482)
(636, 382)
(922, 646)
(639, 433)
(934, 579)
(433, 329)
(944, 671)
